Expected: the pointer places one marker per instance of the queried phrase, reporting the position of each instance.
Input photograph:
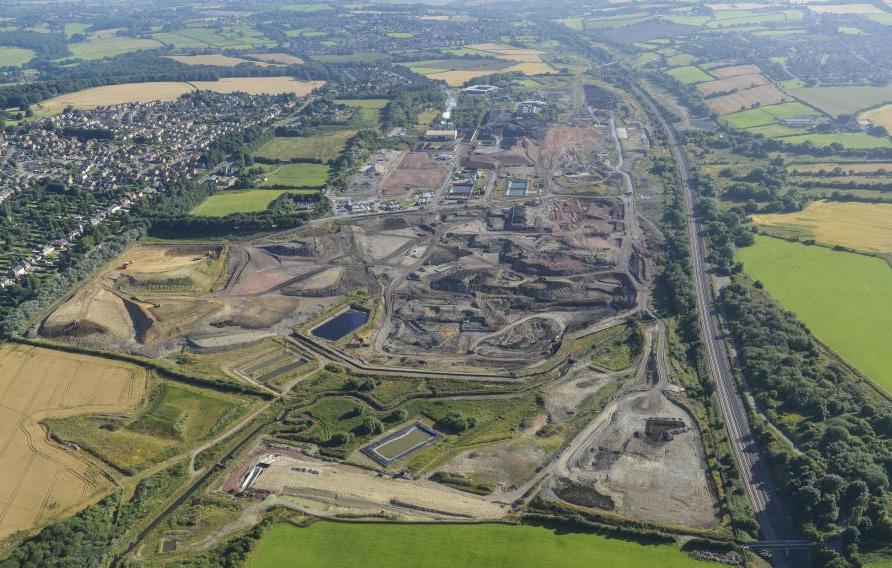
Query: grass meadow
(354, 545)
(689, 75)
(14, 56)
(844, 298)
(369, 115)
(173, 417)
(855, 141)
(230, 202)
(296, 175)
(844, 100)
(766, 115)
(325, 147)
(111, 46)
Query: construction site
(443, 363)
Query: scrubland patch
(324, 146)
(173, 417)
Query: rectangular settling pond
(342, 324)
(400, 444)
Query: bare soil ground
(41, 480)
(526, 152)
(345, 488)
(501, 288)
(153, 299)
(663, 481)
(416, 172)
(504, 465)
(568, 145)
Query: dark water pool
(342, 324)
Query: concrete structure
(479, 89)
(441, 135)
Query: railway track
(769, 511)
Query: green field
(877, 561)
(369, 114)
(400, 35)
(776, 131)
(250, 201)
(728, 19)
(360, 57)
(844, 298)
(72, 28)
(309, 7)
(689, 75)
(766, 115)
(572, 23)
(296, 175)
(110, 47)
(843, 100)
(353, 545)
(856, 141)
(227, 38)
(14, 56)
(324, 147)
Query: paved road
(769, 511)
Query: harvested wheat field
(457, 78)
(532, 68)
(725, 72)
(763, 95)
(520, 55)
(170, 90)
(861, 226)
(260, 85)
(278, 58)
(731, 84)
(863, 8)
(881, 116)
(216, 59)
(41, 481)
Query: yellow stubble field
(171, 90)
(861, 226)
(40, 480)
(881, 116)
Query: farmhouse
(441, 135)
(805, 121)
(479, 89)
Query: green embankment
(342, 545)
(844, 298)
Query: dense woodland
(838, 483)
